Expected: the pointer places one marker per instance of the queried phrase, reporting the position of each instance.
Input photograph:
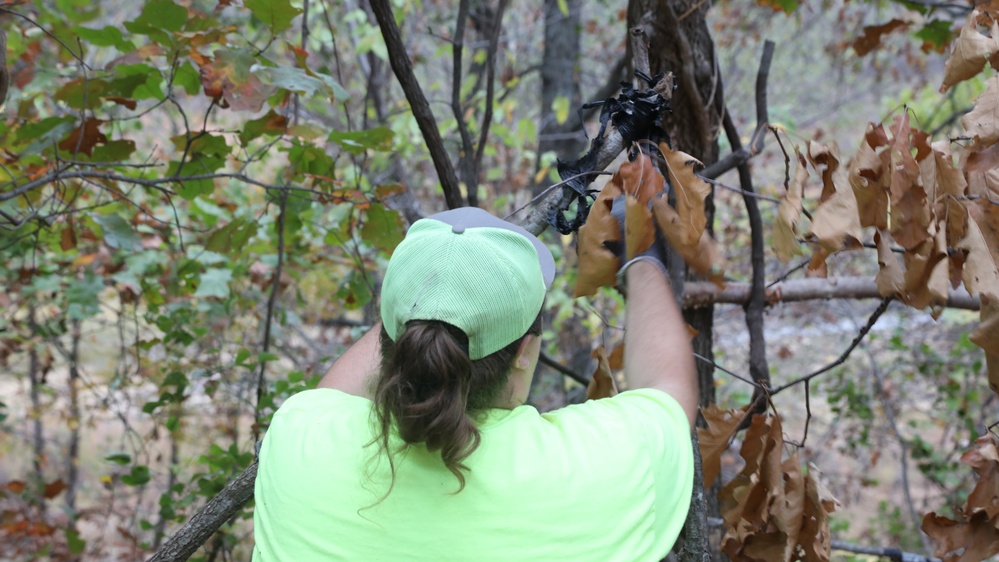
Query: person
(417, 444)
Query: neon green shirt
(604, 480)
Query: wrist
(641, 265)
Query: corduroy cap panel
(486, 281)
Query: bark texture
(680, 42)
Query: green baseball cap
(469, 269)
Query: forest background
(198, 197)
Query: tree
(203, 260)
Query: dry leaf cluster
(773, 510)
(684, 225)
(933, 206)
(975, 535)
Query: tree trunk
(679, 42)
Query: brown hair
(429, 388)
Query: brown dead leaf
(870, 38)
(981, 272)
(926, 274)
(691, 192)
(837, 217)
(910, 211)
(703, 256)
(984, 458)
(616, 358)
(817, 266)
(789, 211)
(962, 541)
(819, 503)
(982, 123)
(85, 137)
(641, 179)
(53, 489)
(969, 52)
(974, 536)
(639, 231)
(890, 279)
(986, 335)
(601, 384)
(715, 438)
(597, 264)
(951, 186)
(867, 177)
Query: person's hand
(656, 253)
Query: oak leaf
(715, 438)
(837, 218)
(85, 137)
(691, 192)
(703, 255)
(598, 265)
(868, 175)
(819, 503)
(602, 383)
(910, 212)
(981, 272)
(789, 211)
(974, 535)
(870, 38)
(969, 52)
(982, 122)
(890, 279)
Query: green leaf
(214, 283)
(357, 142)
(786, 6)
(563, 7)
(83, 297)
(113, 151)
(297, 80)
(276, 14)
(107, 37)
(308, 159)
(270, 124)
(188, 78)
(561, 108)
(117, 232)
(383, 227)
(937, 33)
(231, 238)
(138, 476)
(74, 542)
(354, 292)
(119, 458)
(162, 14)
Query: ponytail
(429, 387)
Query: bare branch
(403, 69)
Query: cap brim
(474, 217)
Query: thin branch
(846, 353)
(466, 162)
(714, 365)
(888, 552)
(271, 300)
(546, 359)
(487, 117)
(403, 69)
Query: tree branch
(403, 69)
(208, 519)
(702, 293)
(846, 353)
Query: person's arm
(353, 371)
(657, 351)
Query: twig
(889, 552)
(487, 117)
(846, 353)
(466, 162)
(271, 300)
(546, 359)
(403, 69)
(744, 379)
